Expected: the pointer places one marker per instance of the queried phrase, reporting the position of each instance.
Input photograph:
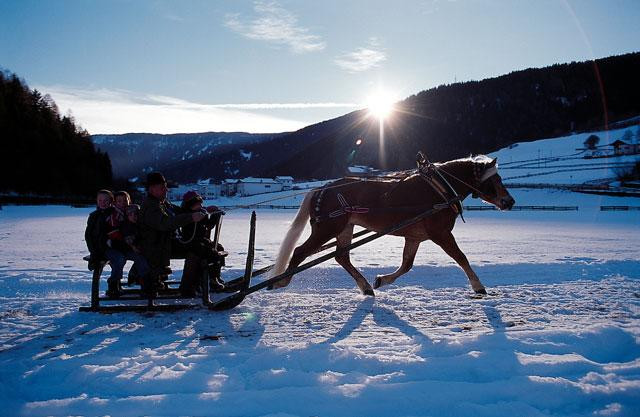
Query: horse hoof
(377, 283)
(369, 291)
(481, 291)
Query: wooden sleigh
(168, 297)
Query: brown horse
(377, 204)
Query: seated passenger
(118, 251)
(95, 234)
(131, 235)
(130, 229)
(121, 200)
(196, 238)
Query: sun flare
(380, 104)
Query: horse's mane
(474, 159)
(393, 176)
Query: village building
(208, 189)
(617, 148)
(286, 181)
(252, 186)
(623, 148)
(362, 171)
(229, 187)
(176, 193)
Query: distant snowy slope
(561, 160)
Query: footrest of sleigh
(109, 309)
(228, 303)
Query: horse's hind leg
(344, 240)
(309, 247)
(448, 243)
(408, 256)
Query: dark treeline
(42, 152)
(475, 117)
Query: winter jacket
(195, 238)
(96, 232)
(158, 221)
(202, 231)
(115, 237)
(130, 234)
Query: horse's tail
(291, 238)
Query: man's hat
(155, 178)
(190, 198)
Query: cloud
(272, 106)
(121, 111)
(362, 59)
(276, 25)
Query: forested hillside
(42, 152)
(475, 117)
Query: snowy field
(559, 333)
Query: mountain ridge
(446, 122)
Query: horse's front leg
(408, 256)
(448, 243)
(344, 240)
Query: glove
(213, 209)
(92, 264)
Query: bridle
(427, 170)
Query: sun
(380, 104)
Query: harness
(430, 173)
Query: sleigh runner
(419, 205)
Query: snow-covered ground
(558, 335)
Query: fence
(525, 208)
(619, 208)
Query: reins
(474, 189)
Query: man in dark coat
(159, 220)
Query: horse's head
(489, 187)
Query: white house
(286, 181)
(361, 170)
(176, 193)
(229, 187)
(623, 148)
(208, 189)
(251, 186)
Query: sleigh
(167, 296)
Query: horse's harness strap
(346, 208)
(454, 202)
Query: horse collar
(442, 187)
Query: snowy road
(559, 335)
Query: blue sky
(265, 66)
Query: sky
(271, 66)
